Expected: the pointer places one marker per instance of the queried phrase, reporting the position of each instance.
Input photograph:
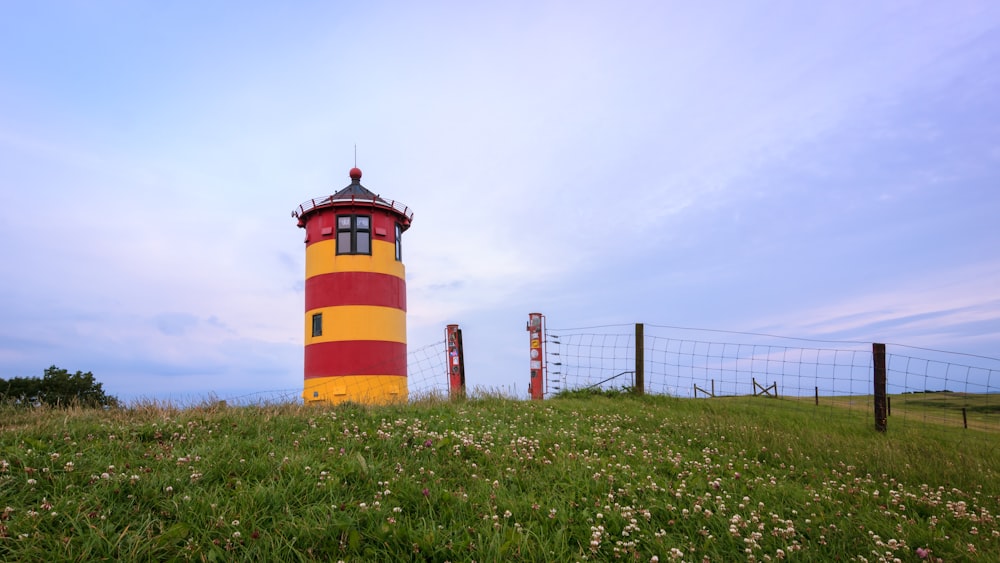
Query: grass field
(489, 479)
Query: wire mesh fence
(426, 367)
(954, 389)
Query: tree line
(57, 387)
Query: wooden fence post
(640, 361)
(881, 405)
(456, 362)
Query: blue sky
(811, 169)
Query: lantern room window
(354, 234)
(399, 242)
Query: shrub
(57, 387)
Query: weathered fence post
(881, 405)
(456, 362)
(817, 396)
(537, 385)
(640, 361)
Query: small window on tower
(318, 324)
(354, 234)
(399, 242)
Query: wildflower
(922, 553)
(236, 522)
(32, 482)
(426, 492)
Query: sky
(825, 170)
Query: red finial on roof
(355, 173)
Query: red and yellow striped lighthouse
(355, 320)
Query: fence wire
(427, 376)
(954, 389)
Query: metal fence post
(640, 361)
(881, 404)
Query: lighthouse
(355, 302)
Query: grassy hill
(568, 479)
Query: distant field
(945, 408)
(583, 478)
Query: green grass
(570, 479)
(944, 408)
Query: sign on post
(536, 355)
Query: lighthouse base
(365, 389)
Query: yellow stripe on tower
(322, 258)
(378, 389)
(358, 322)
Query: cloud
(175, 324)
(932, 310)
